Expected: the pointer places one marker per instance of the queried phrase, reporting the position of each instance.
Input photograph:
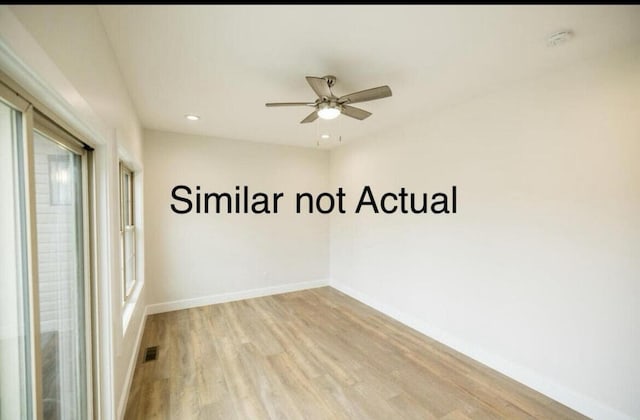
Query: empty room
(319, 212)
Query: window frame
(127, 207)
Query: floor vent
(150, 354)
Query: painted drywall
(537, 273)
(62, 56)
(196, 255)
(74, 38)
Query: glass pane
(126, 182)
(61, 279)
(14, 373)
(129, 258)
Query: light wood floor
(314, 354)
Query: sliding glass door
(62, 304)
(45, 299)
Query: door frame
(37, 117)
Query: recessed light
(192, 117)
(325, 136)
(559, 37)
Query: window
(127, 231)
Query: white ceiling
(224, 62)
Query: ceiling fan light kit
(329, 111)
(329, 106)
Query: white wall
(74, 38)
(62, 56)
(538, 272)
(192, 255)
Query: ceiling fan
(329, 106)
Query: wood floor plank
(155, 403)
(334, 392)
(314, 354)
(409, 408)
(310, 402)
(272, 393)
(221, 410)
(239, 382)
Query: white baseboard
(122, 404)
(572, 399)
(232, 296)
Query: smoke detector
(559, 37)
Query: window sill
(128, 308)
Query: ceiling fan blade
(290, 104)
(319, 86)
(310, 118)
(366, 95)
(353, 112)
